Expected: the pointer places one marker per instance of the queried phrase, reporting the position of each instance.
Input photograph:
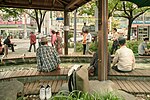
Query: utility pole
(75, 29)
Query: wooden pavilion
(68, 6)
(71, 5)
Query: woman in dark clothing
(94, 63)
(9, 44)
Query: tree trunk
(129, 29)
(39, 28)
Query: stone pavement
(23, 46)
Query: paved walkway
(23, 46)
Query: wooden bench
(31, 73)
(133, 87)
(134, 73)
(138, 57)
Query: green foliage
(88, 8)
(11, 12)
(37, 15)
(70, 35)
(111, 6)
(93, 46)
(78, 95)
(129, 11)
(79, 47)
(133, 45)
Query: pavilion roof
(52, 5)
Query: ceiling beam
(53, 3)
(30, 1)
(25, 6)
(60, 2)
(72, 3)
(64, 2)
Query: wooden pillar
(66, 26)
(102, 39)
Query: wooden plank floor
(134, 87)
(31, 73)
(34, 87)
(134, 73)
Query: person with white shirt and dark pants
(124, 60)
(88, 41)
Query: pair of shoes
(29, 51)
(45, 92)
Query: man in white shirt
(124, 60)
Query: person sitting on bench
(47, 57)
(9, 44)
(124, 60)
(93, 71)
(142, 48)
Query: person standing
(9, 44)
(32, 41)
(142, 48)
(84, 41)
(58, 43)
(115, 41)
(124, 60)
(47, 57)
(88, 41)
(84, 28)
(53, 38)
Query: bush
(133, 45)
(78, 95)
(79, 47)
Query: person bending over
(124, 60)
(47, 57)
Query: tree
(38, 15)
(90, 7)
(8, 13)
(129, 11)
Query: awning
(140, 3)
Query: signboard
(66, 28)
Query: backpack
(78, 79)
